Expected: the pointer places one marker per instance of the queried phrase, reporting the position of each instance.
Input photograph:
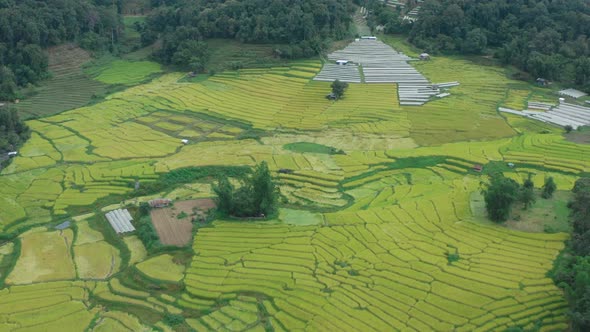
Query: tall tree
(338, 88)
(499, 196)
(256, 197)
(549, 188)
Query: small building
(331, 96)
(342, 62)
(368, 37)
(477, 168)
(159, 202)
(184, 141)
(12, 154)
(424, 56)
(511, 165)
(286, 171)
(542, 82)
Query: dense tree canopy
(500, 195)
(305, 25)
(572, 270)
(256, 197)
(338, 88)
(29, 26)
(547, 38)
(13, 132)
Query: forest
(572, 269)
(545, 38)
(13, 131)
(27, 27)
(305, 27)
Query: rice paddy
(375, 204)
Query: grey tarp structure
(381, 64)
(564, 114)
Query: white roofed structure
(120, 220)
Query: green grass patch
(545, 215)
(114, 71)
(300, 217)
(306, 147)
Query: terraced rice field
(377, 237)
(68, 88)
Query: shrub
(548, 188)
(172, 319)
(453, 257)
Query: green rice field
(376, 202)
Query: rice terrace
(120, 211)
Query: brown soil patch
(178, 232)
(579, 137)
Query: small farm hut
(159, 202)
(542, 82)
(12, 154)
(342, 62)
(477, 167)
(424, 56)
(184, 141)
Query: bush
(548, 188)
(453, 257)
(173, 320)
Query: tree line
(29, 26)
(13, 131)
(546, 38)
(303, 27)
(572, 268)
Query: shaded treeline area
(545, 38)
(572, 269)
(29, 26)
(303, 27)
